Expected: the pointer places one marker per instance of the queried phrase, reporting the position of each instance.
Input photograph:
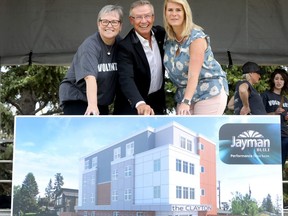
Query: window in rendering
(130, 149)
(185, 192)
(178, 192)
(178, 165)
(114, 174)
(201, 146)
(115, 213)
(117, 153)
(156, 191)
(92, 198)
(202, 169)
(128, 194)
(189, 145)
(114, 195)
(94, 162)
(185, 166)
(128, 171)
(191, 169)
(202, 192)
(84, 198)
(192, 193)
(92, 179)
(86, 164)
(183, 142)
(157, 165)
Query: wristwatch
(186, 101)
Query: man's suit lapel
(140, 51)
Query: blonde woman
(201, 83)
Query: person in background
(140, 66)
(247, 101)
(276, 103)
(202, 87)
(89, 85)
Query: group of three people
(134, 68)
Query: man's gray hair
(140, 3)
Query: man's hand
(144, 109)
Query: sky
(46, 145)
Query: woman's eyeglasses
(106, 22)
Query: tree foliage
(6, 153)
(285, 194)
(31, 88)
(243, 205)
(267, 204)
(28, 90)
(25, 197)
(58, 183)
(49, 193)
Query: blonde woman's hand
(183, 109)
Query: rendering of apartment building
(162, 171)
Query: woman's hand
(279, 110)
(183, 109)
(91, 110)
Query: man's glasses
(140, 18)
(106, 22)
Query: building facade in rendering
(66, 202)
(156, 172)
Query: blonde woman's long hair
(189, 25)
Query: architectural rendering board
(151, 166)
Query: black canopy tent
(48, 32)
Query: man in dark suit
(140, 66)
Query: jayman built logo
(250, 144)
(251, 139)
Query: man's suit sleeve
(125, 67)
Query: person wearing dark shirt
(276, 103)
(140, 66)
(89, 85)
(247, 101)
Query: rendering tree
(267, 204)
(58, 183)
(25, 197)
(243, 205)
(49, 193)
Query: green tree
(243, 205)
(278, 205)
(30, 89)
(28, 193)
(170, 90)
(49, 193)
(267, 204)
(6, 153)
(27, 90)
(58, 183)
(17, 200)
